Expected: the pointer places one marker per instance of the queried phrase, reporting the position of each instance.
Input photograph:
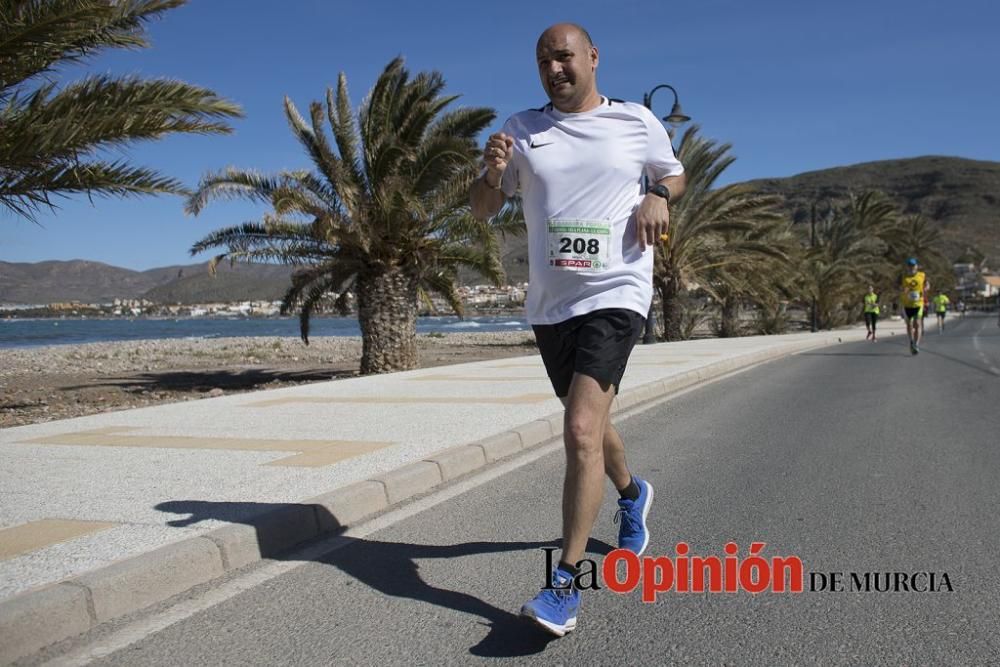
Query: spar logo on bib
(579, 245)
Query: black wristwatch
(660, 191)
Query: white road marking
(982, 355)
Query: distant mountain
(961, 196)
(94, 282)
(241, 282)
(76, 280)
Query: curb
(37, 618)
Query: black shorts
(913, 313)
(596, 344)
(871, 318)
(941, 313)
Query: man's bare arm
(486, 197)
(676, 184)
(653, 216)
(486, 201)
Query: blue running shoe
(555, 609)
(631, 519)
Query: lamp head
(677, 116)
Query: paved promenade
(103, 515)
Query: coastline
(40, 384)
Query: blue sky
(794, 86)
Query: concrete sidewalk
(104, 515)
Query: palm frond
(26, 192)
(38, 35)
(444, 283)
(345, 130)
(101, 112)
(52, 136)
(232, 183)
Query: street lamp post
(812, 244)
(675, 117)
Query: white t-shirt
(580, 179)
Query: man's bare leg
(586, 422)
(615, 466)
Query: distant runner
(941, 302)
(914, 286)
(871, 312)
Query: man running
(871, 312)
(578, 163)
(941, 302)
(914, 292)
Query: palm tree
(914, 236)
(383, 216)
(762, 269)
(865, 241)
(847, 256)
(50, 138)
(709, 228)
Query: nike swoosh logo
(540, 144)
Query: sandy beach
(59, 382)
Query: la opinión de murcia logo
(623, 572)
(880, 582)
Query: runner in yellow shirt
(871, 312)
(914, 289)
(940, 302)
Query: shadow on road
(387, 567)
(900, 350)
(982, 369)
(847, 354)
(885, 347)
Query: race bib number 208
(579, 245)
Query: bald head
(567, 66)
(570, 27)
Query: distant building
(990, 286)
(973, 281)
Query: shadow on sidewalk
(252, 378)
(389, 567)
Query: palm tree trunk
(729, 324)
(387, 313)
(673, 311)
(824, 312)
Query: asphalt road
(856, 458)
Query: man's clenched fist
(497, 154)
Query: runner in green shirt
(941, 302)
(871, 312)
